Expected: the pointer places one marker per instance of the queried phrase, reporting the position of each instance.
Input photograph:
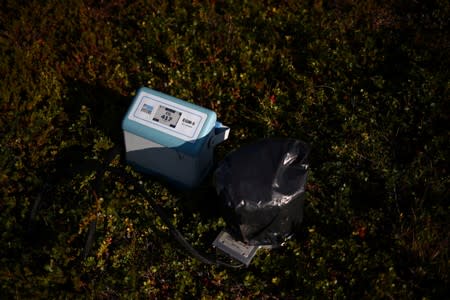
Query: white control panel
(168, 117)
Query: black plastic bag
(262, 187)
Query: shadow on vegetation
(108, 107)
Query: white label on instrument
(169, 117)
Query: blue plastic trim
(191, 148)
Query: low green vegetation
(365, 84)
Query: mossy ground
(366, 84)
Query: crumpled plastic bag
(262, 188)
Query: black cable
(177, 234)
(112, 153)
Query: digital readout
(167, 116)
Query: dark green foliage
(367, 84)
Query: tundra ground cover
(366, 84)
